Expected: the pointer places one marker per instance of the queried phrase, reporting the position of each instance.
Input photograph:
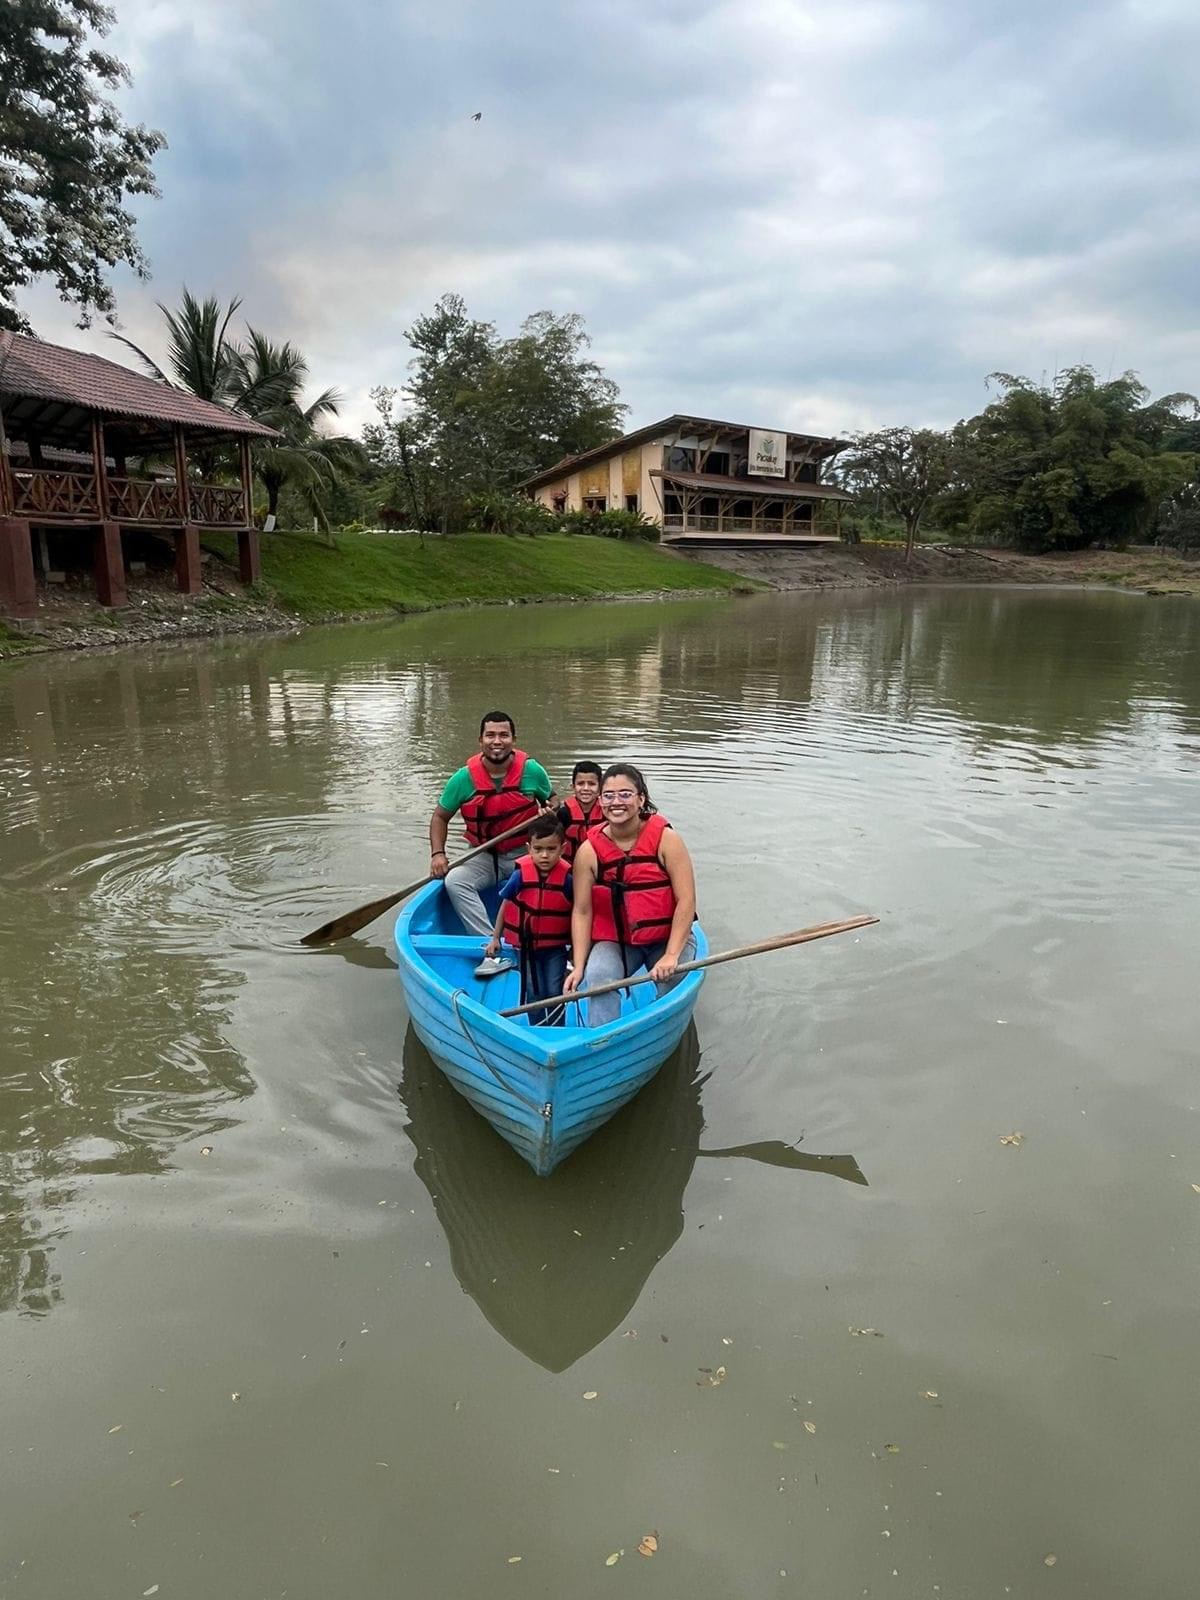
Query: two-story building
(706, 482)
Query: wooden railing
(40, 492)
(743, 525)
(45, 495)
(217, 505)
(142, 500)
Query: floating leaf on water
(664, 1338)
(383, 1463)
(1011, 1138)
(590, 1394)
(1196, 1188)
(512, 1560)
(118, 1428)
(892, 1449)
(630, 1333)
(553, 1469)
(649, 1545)
(1051, 1561)
(778, 1444)
(134, 1515)
(809, 1427)
(236, 1395)
(611, 1561)
(206, 1149)
(726, 1341)
(929, 1394)
(174, 1483)
(153, 1589)
(711, 1379)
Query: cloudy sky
(826, 216)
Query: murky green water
(345, 1353)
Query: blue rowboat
(543, 1089)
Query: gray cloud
(820, 216)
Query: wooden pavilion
(79, 439)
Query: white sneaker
(491, 965)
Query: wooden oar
(343, 927)
(781, 941)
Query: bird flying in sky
(477, 116)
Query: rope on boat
(543, 1110)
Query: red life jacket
(490, 811)
(632, 900)
(539, 915)
(580, 825)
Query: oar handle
(781, 941)
(342, 927)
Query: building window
(717, 463)
(676, 458)
(631, 503)
(807, 473)
(595, 502)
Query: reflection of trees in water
(556, 1263)
(1045, 667)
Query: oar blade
(342, 927)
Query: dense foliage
(479, 413)
(67, 160)
(1060, 465)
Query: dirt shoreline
(1145, 570)
(69, 619)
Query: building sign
(768, 454)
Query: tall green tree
(68, 162)
(1069, 463)
(905, 468)
(481, 412)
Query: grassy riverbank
(365, 572)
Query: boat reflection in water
(556, 1263)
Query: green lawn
(374, 572)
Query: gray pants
(464, 884)
(604, 964)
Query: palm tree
(262, 380)
(200, 354)
(267, 383)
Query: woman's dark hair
(496, 716)
(623, 769)
(582, 767)
(546, 825)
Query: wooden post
(181, 477)
(18, 584)
(6, 487)
(109, 566)
(247, 481)
(249, 555)
(100, 468)
(187, 559)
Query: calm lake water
(280, 1316)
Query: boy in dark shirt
(535, 918)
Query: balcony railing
(746, 526)
(44, 494)
(217, 505)
(142, 500)
(39, 492)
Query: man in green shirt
(499, 786)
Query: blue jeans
(607, 961)
(542, 975)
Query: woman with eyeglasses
(635, 895)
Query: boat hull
(544, 1090)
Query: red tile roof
(32, 369)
